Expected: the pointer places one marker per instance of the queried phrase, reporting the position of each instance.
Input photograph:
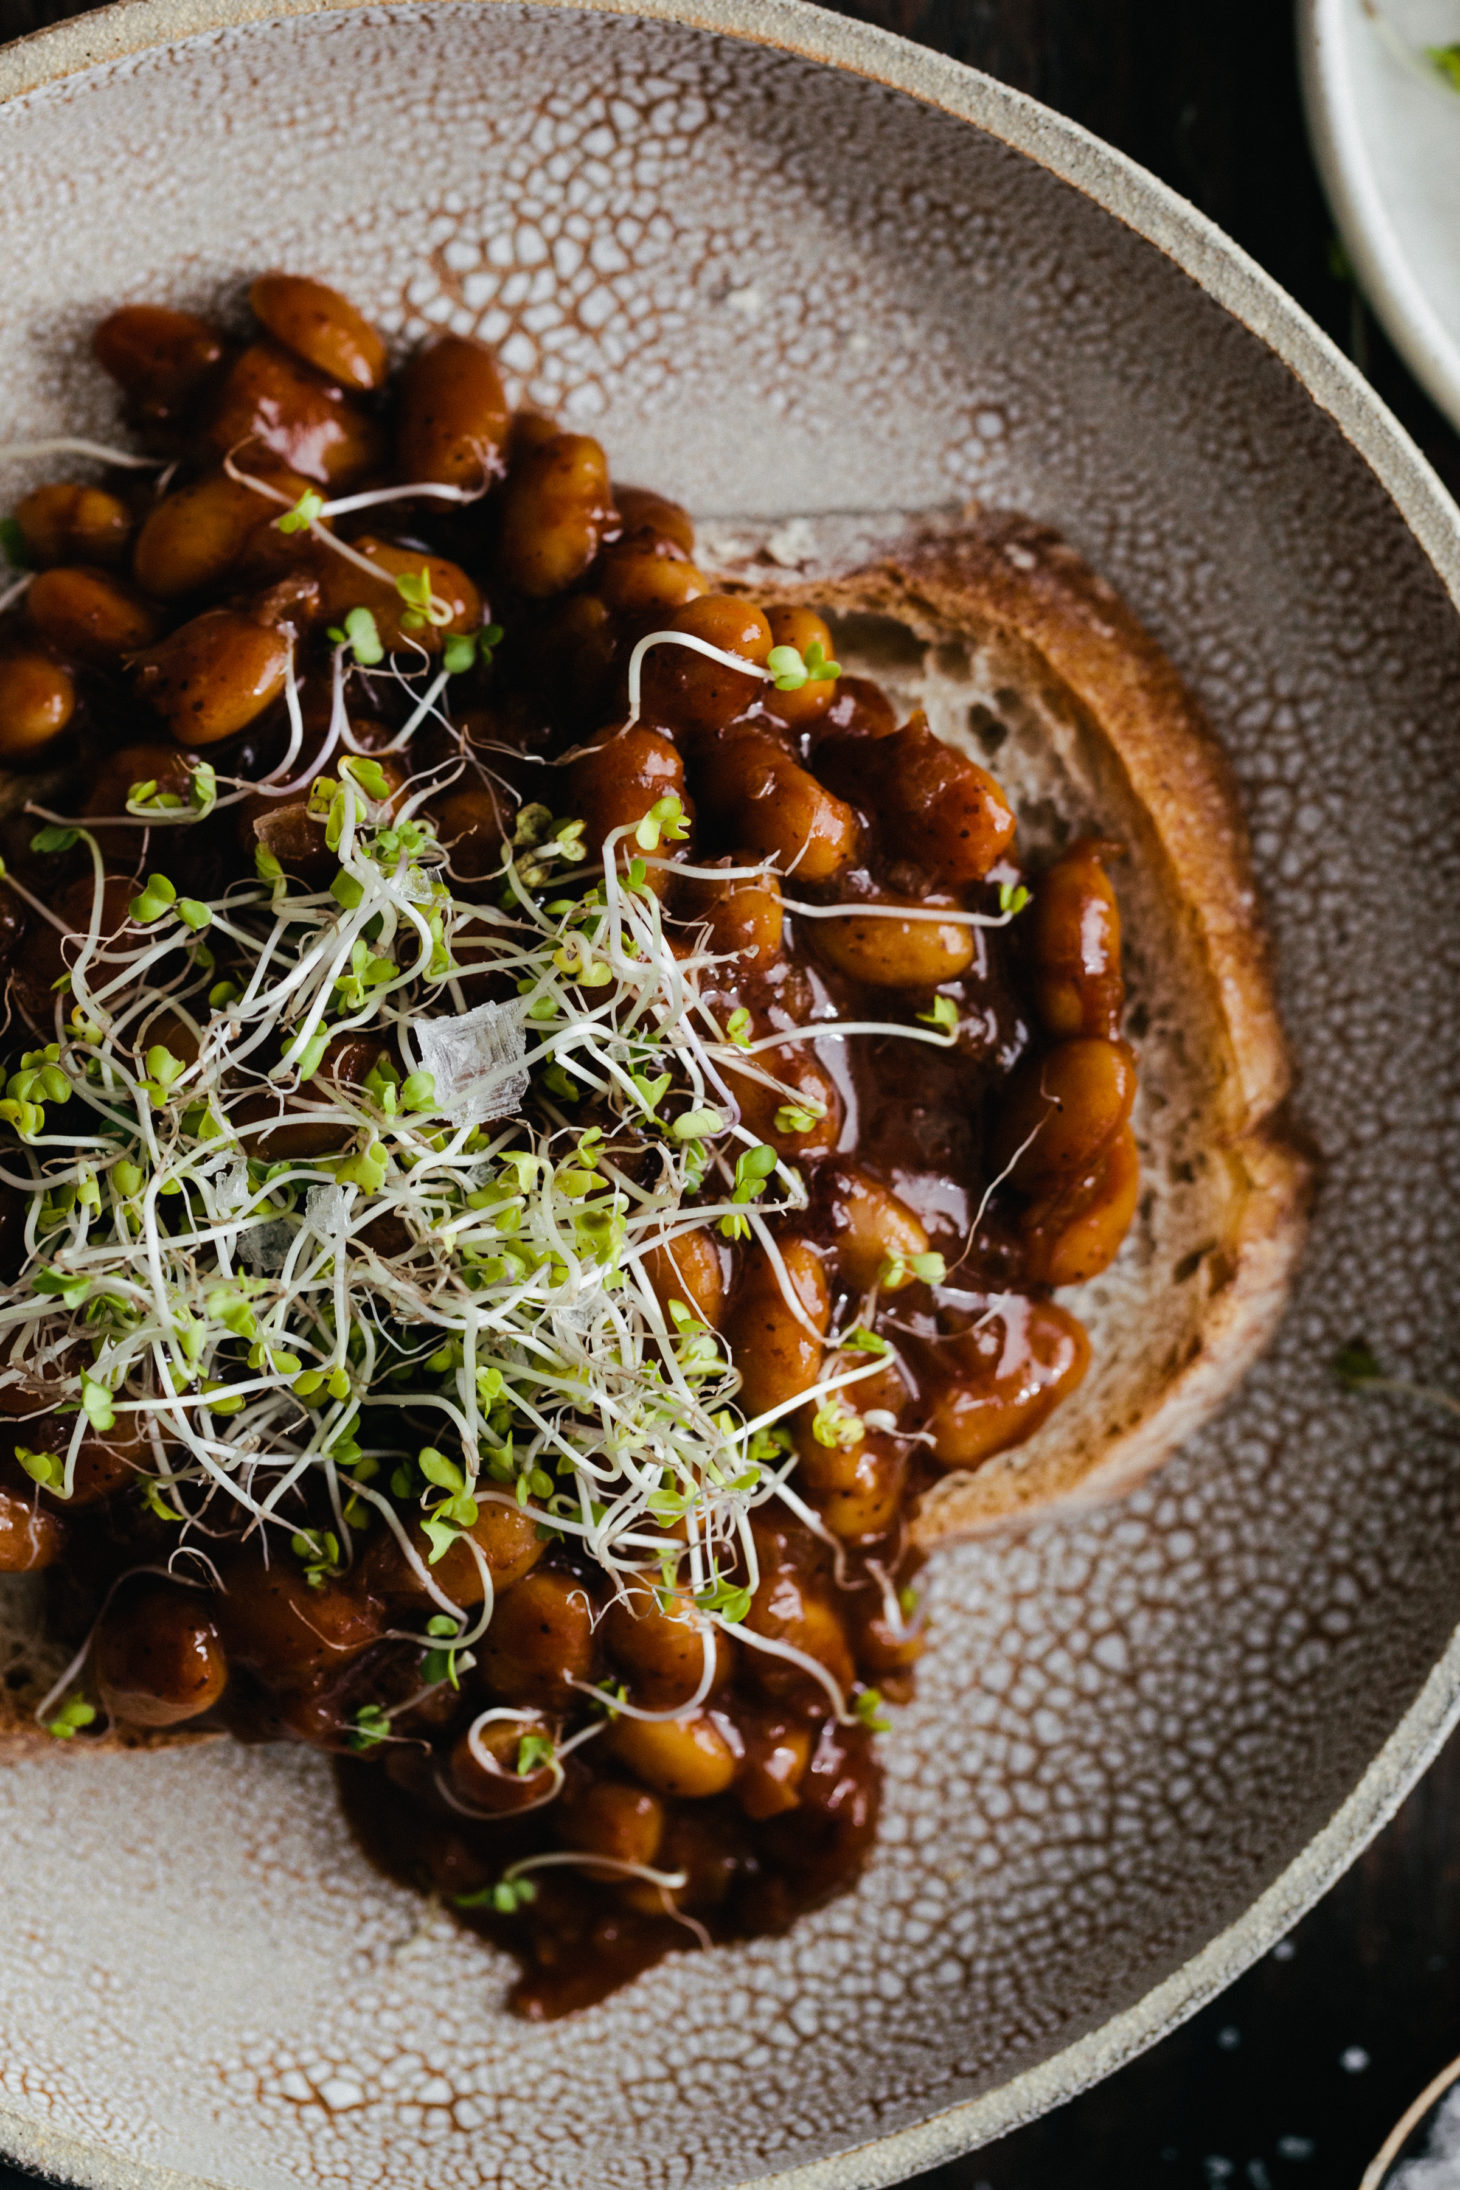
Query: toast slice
(1025, 659)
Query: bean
(73, 524)
(1073, 938)
(866, 1505)
(660, 1646)
(896, 954)
(689, 692)
(452, 418)
(802, 629)
(869, 1223)
(689, 1269)
(609, 1817)
(792, 1606)
(1067, 1106)
(688, 1757)
(506, 1789)
(805, 1086)
(90, 615)
(1077, 1232)
(881, 1649)
(744, 918)
(472, 825)
(935, 806)
(400, 623)
(37, 701)
(777, 1754)
(506, 1537)
(765, 800)
(647, 581)
(274, 1622)
(777, 1356)
(214, 676)
(268, 400)
(194, 536)
(31, 1536)
(615, 781)
(541, 1640)
(320, 326)
(158, 1657)
(859, 709)
(647, 517)
(555, 509)
(277, 1127)
(160, 357)
(46, 952)
(993, 1387)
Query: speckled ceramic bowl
(788, 265)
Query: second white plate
(1385, 127)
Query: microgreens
(534, 1751)
(12, 544)
(943, 1014)
(361, 634)
(307, 511)
(464, 648)
(900, 1270)
(867, 1705)
(1446, 60)
(1013, 897)
(369, 1727)
(505, 1897)
(73, 1715)
(790, 669)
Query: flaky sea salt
(476, 1061)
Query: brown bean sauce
(959, 1162)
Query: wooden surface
(1292, 2079)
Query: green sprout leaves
(464, 648)
(1013, 897)
(74, 1715)
(369, 1727)
(12, 544)
(753, 1168)
(306, 512)
(1356, 1365)
(54, 839)
(504, 1898)
(900, 1270)
(942, 1014)
(534, 1753)
(666, 820)
(153, 902)
(318, 1552)
(361, 634)
(46, 1468)
(867, 1705)
(790, 670)
(1445, 60)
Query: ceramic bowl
(786, 265)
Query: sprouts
(353, 1200)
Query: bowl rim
(1219, 267)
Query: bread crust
(1137, 762)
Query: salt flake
(476, 1062)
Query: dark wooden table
(1292, 2079)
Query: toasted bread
(1027, 660)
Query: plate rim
(1224, 272)
(1370, 239)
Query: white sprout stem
(420, 490)
(580, 1858)
(696, 646)
(68, 445)
(951, 915)
(16, 592)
